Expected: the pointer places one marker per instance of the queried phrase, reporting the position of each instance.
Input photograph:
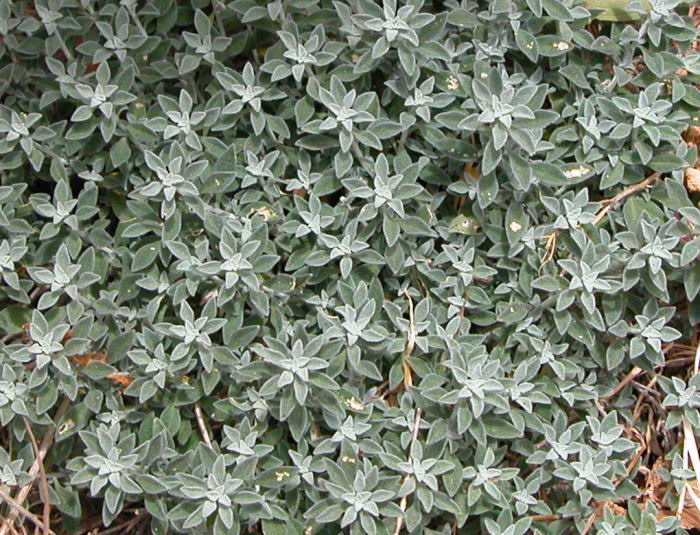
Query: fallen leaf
(654, 487)
(615, 508)
(692, 135)
(87, 358)
(67, 336)
(692, 179)
(690, 516)
(121, 379)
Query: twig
(200, 422)
(634, 372)
(646, 389)
(549, 247)
(676, 363)
(9, 337)
(545, 518)
(10, 527)
(609, 204)
(38, 292)
(44, 484)
(410, 343)
(46, 442)
(19, 510)
(690, 449)
(124, 527)
(414, 437)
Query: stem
(63, 46)
(136, 20)
(404, 136)
(358, 153)
(216, 9)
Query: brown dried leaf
(692, 179)
(615, 508)
(692, 135)
(121, 379)
(654, 487)
(690, 516)
(87, 358)
(67, 336)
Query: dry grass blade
(403, 503)
(549, 248)
(410, 343)
(46, 443)
(690, 450)
(19, 510)
(46, 517)
(126, 526)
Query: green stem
(63, 46)
(136, 20)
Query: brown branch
(38, 292)
(46, 443)
(634, 372)
(200, 422)
(609, 204)
(545, 518)
(44, 484)
(126, 526)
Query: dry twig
(410, 343)
(140, 515)
(44, 493)
(403, 503)
(690, 452)
(609, 204)
(546, 518)
(202, 426)
(19, 510)
(46, 443)
(633, 373)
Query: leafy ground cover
(355, 266)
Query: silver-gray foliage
(314, 266)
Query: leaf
(527, 44)
(120, 345)
(613, 10)
(666, 162)
(144, 256)
(463, 224)
(120, 152)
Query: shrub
(304, 266)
